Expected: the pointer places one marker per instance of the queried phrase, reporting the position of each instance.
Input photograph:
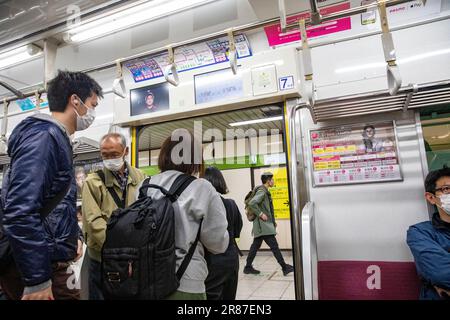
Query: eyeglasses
(444, 189)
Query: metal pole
(296, 209)
(316, 18)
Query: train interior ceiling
(300, 110)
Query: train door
(242, 144)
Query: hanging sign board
(276, 37)
(358, 153)
(30, 103)
(189, 57)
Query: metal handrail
(309, 250)
(296, 212)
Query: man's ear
(431, 198)
(74, 99)
(126, 151)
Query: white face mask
(114, 164)
(445, 203)
(83, 122)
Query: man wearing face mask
(429, 241)
(103, 192)
(38, 210)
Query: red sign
(275, 37)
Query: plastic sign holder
(308, 85)
(282, 11)
(232, 54)
(171, 68)
(393, 72)
(316, 17)
(118, 86)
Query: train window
(436, 134)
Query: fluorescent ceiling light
(130, 17)
(19, 55)
(400, 61)
(243, 123)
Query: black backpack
(138, 256)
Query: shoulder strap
(52, 203)
(189, 255)
(143, 189)
(115, 196)
(179, 185)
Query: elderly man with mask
(103, 192)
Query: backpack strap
(179, 185)
(115, 196)
(189, 255)
(143, 189)
(53, 202)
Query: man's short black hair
(266, 176)
(433, 176)
(67, 83)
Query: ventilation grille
(380, 102)
(85, 145)
(4, 159)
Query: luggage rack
(409, 97)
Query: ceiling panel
(21, 18)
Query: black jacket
(230, 257)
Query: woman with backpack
(198, 210)
(222, 280)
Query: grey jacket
(199, 200)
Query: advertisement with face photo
(149, 99)
(82, 169)
(358, 153)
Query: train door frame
(287, 146)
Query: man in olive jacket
(98, 203)
(264, 225)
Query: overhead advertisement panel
(189, 57)
(276, 37)
(354, 25)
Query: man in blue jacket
(40, 176)
(429, 241)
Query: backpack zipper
(130, 268)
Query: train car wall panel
(358, 65)
(368, 222)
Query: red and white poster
(356, 153)
(276, 37)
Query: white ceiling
(22, 18)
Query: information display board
(218, 85)
(357, 153)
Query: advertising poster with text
(358, 153)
